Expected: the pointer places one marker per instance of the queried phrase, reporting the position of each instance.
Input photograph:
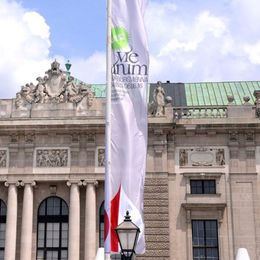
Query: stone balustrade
(200, 112)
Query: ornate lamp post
(127, 234)
(68, 66)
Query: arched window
(2, 228)
(52, 241)
(101, 225)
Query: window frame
(101, 221)
(205, 246)
(203, 186)
(3, 220)
(51, 219)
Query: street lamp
(127, 234)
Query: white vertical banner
(127, 165)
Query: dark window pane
(209, 186)
(64, 209)
(211, 233)
(212, 253)
(42, 209)
(52, 255)
(64, 255)
(199, 254)
(196, 186)
(40, 255)
(2, 208)
(2, 235)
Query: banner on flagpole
(128, 144)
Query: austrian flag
(127, 145)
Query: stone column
(11, 222)
(74, 220)
(90, 220)
(27, 222)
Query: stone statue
(40, 92)
(27, 93)
(220, 157)
(20, 102)
(257, 102)
(101, 157)
(159, 99)
(157, 107)
(183, 157)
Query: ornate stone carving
(202, 156)
(101, 157)
(250, 136)
(233, 136)
(54, 87)
(52, 158)
(3, 158)
(29, 138)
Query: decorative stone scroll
(101, 157)
(202, 156)
(3, 158)
(49, 158)
(55, 87)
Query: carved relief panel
(202, 157)
(4, 158)
(52, 157)
(100, 157)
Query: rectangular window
(205, 240)
(203, 186)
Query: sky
(189, 40)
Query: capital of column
(93, 182)
(15, 183)
(79, 183)
(32, 183)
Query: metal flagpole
(108, 100)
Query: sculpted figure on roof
(157, 106)
(55, 87)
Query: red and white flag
(127, 145)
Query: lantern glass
(127, 239)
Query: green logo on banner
(120, 38)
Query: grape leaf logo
(120, 38)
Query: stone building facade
(202, 186)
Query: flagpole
(108, 102)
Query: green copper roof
(208, 93)
(99, 89)
(199, 94)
